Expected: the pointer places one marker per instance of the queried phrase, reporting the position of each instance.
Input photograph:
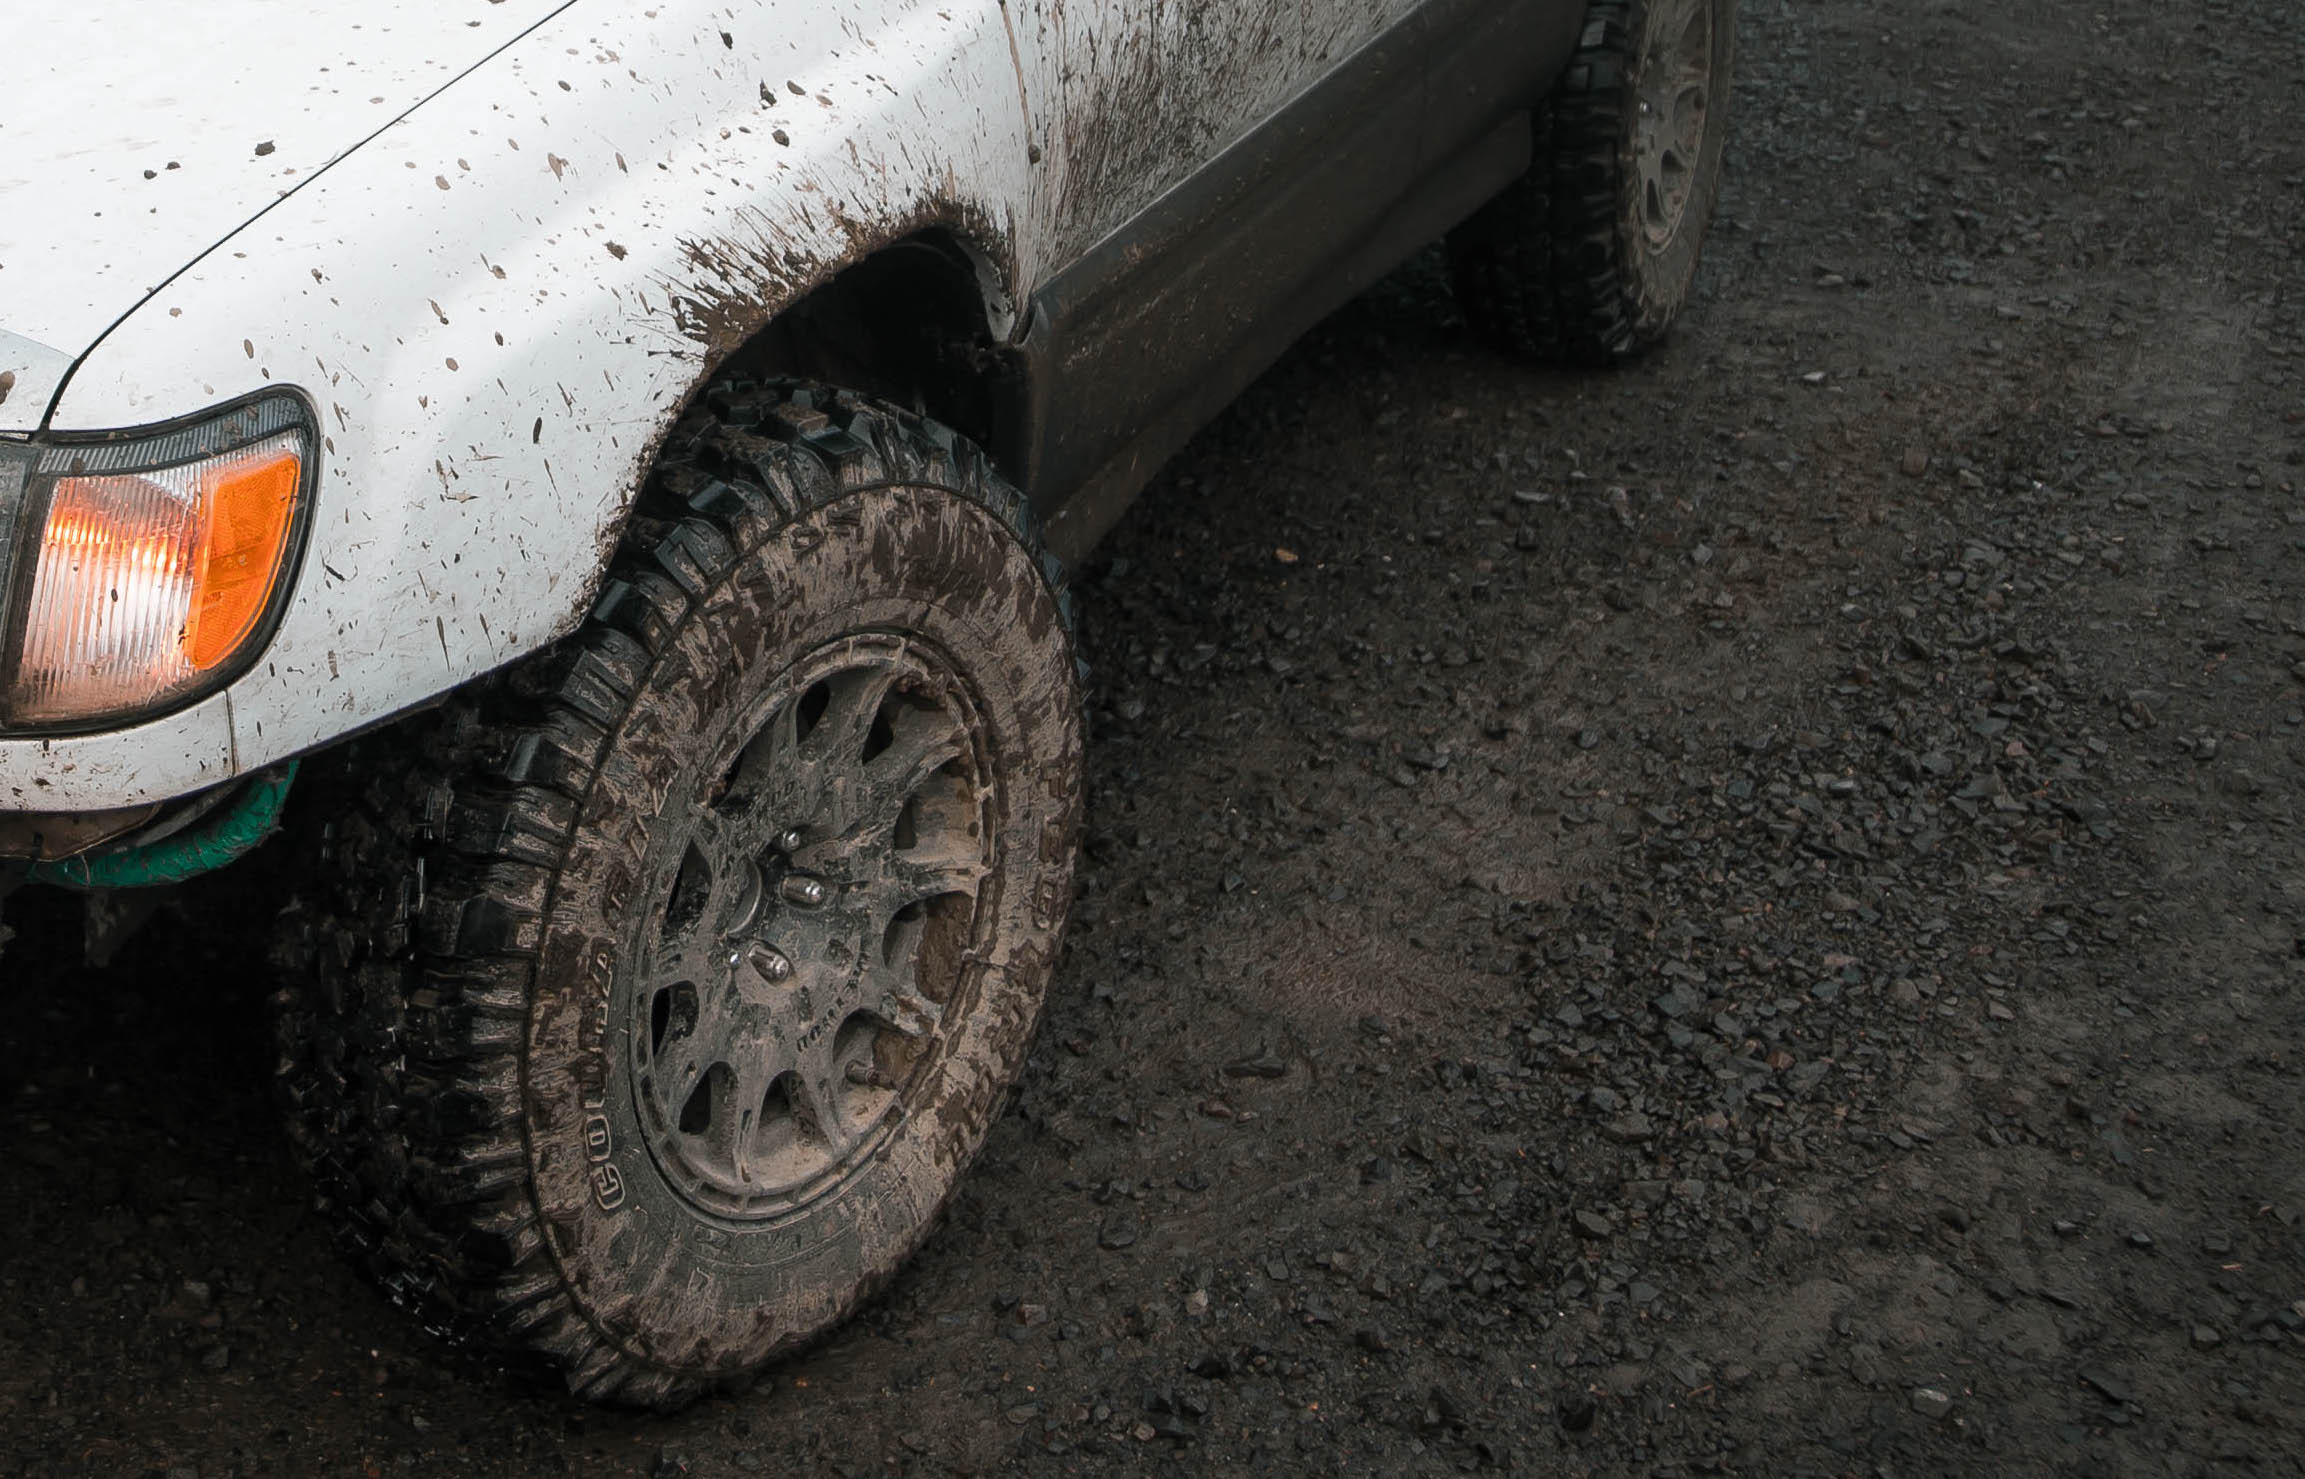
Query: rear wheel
(651, 1003)
(1588, 257)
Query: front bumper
(196, 836)
(160, 760)
(49, 836)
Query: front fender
(499, 306)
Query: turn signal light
(251, 502)
(148, 584)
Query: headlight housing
(149, 567)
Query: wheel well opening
(906, 325)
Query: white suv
(691, 410)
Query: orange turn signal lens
(251, 504)
(147, 582)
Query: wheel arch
(922, 318)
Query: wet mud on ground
(1738, 916)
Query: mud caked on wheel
(649, 1002)
(1588, 256)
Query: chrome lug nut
(770, 964)
(789, 840)
(809, 893)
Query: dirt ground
(1740, 916)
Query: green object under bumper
(230, 834)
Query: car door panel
(1132, 346)
(1166, 318)
(1489, 58)
(1166, 130)
(1090, 484)
(1129, 96)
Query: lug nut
(770, 964)
(789, 840)
(807, 892)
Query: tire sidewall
(666, 1282)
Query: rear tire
(648, 1004)
(1589, 256)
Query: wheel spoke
(909, 1013)
(841, 730)
(758, 1052)
(689, 906)
(701, 1013)
(749, 1096)
(707, 831)
(766, 758)
(822, 1081)
(925, 742)
(1688, 118)
(722, 1016)
(898, 960)
(919, 874)
(678, 1071)
(812, 776)
(729, 1121)
(674, 963)
(1693, 41)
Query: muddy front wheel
(652, 1002)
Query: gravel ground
(1738, 916)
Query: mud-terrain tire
(1587, 257)
(644, 1005)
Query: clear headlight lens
(157, 564)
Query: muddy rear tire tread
(1536, 268)
(402, 1028)
(1543, 271)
